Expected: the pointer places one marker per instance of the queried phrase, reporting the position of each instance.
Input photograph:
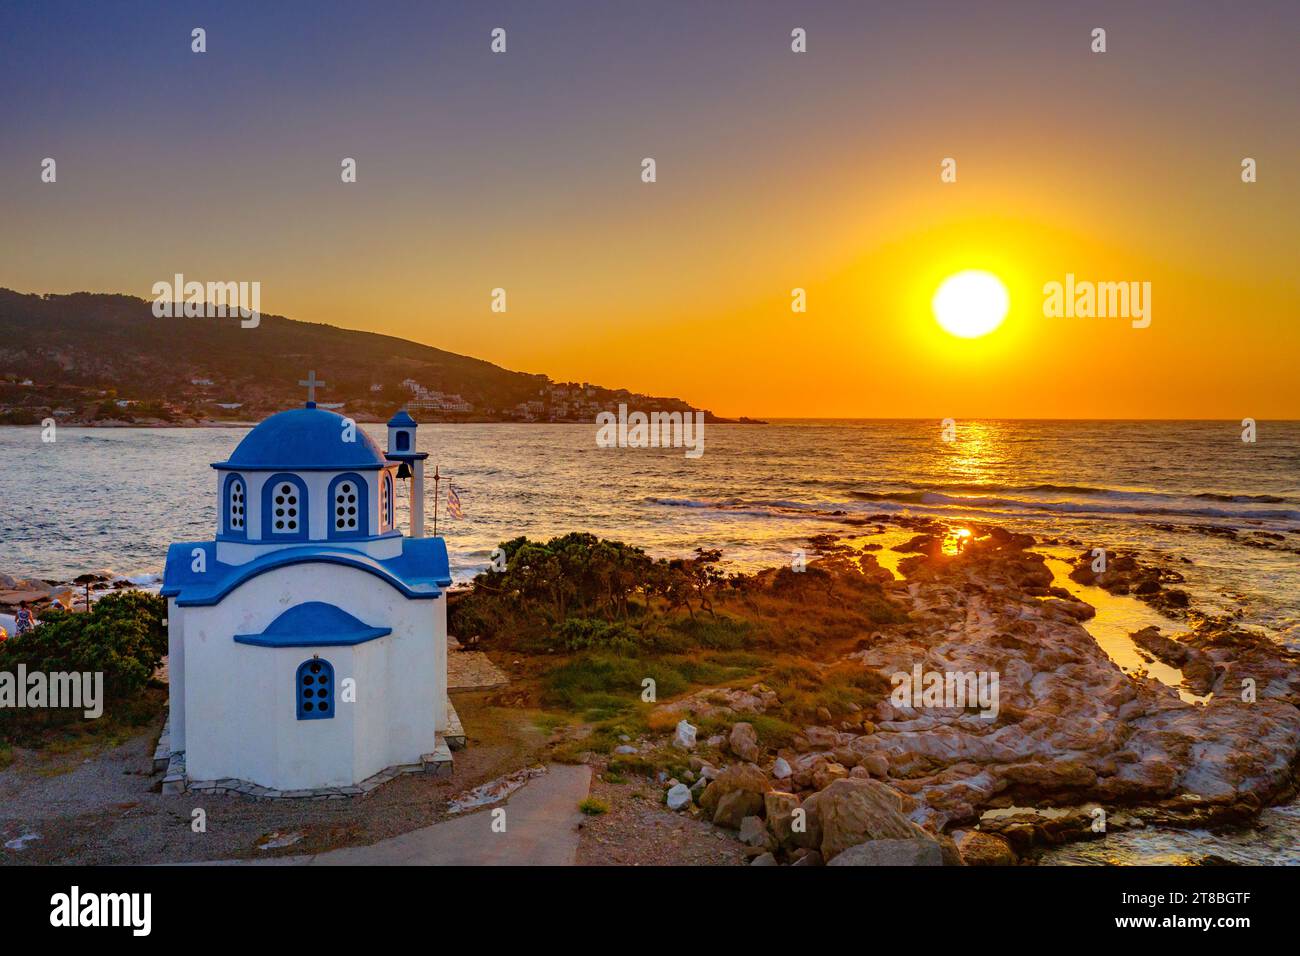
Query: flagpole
(436, 478)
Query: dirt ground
(638, 830)
(99, 807)
(106, 807)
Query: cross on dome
(311, 383)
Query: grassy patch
(773, 731)
(598, 680)
(715, 633)
(593, 807)
(602, 686)
(803, 688)
(126, 720)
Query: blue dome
(304, 439)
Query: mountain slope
(99, 342)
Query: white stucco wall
(175, 676)
(240, 717)
(237, 552)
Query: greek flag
(453, 503)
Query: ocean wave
(919, 489)
(956, 504)
(1103, 507)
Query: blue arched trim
(313, 689)
(355, 507)
(419, 573)
(271, 490)
(388, 498)
(229, 506)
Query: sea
(99, 499)
(1226, 511)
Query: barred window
(314, 689)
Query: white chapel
(308, 639)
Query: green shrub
(122, 636)
(584, 633)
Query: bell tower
(402, 449)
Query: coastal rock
(1070, 726)
(876, 764)
(1246, 661)
(779, 809)
(806, 828)
(753, 832)
(741, 778)
(1164, 649)
(984, 849)
(721, 702)
(744, 742)
(891, 852)
(854, 811)
(684, 737)
(1064, 730)
(678, 797)
(735, 806)
(821, 738)
(827, 773)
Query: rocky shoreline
(40, 593)
(1077, 748)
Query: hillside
(95, 357)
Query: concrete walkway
(541, 829)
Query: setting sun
(971, 303)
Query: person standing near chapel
(23, 620)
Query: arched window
(403, 441)
(314, 689)
(386, 506)
(284, 508)
(236, 507)
(349, 507)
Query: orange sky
(775, 170)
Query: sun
(971, 303)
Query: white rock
(624, 749)
(679, 797)
(684, 739)
(781, 769)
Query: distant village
(205, 400)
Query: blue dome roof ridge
(402, 420)
(304, 439)
(314, 623)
